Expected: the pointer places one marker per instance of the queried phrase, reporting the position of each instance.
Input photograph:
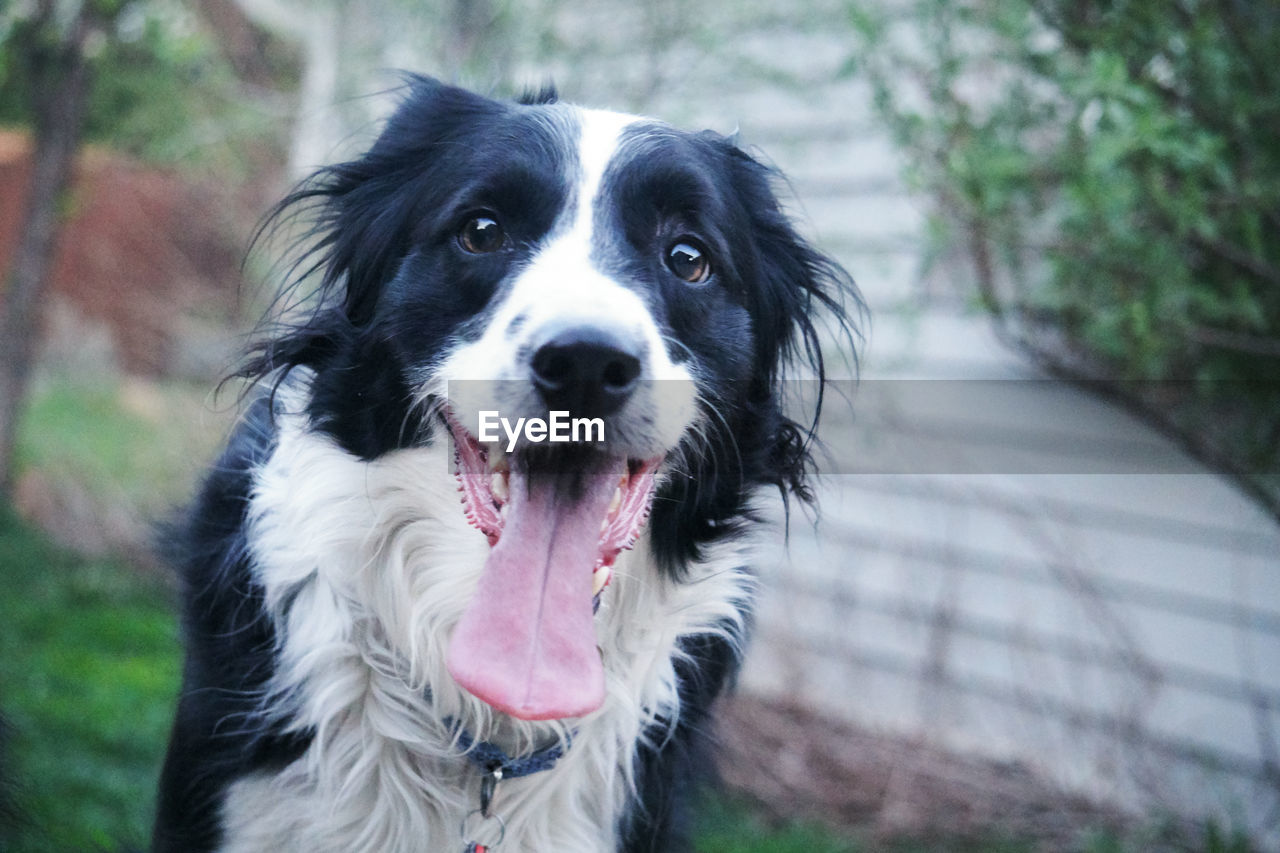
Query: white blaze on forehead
(601, 135)
(562, 282)
(561, 286)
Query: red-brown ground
(140, 247)
(793, 762)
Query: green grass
(729, 826)
(88, 673)
(137, 442)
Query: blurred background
(1039, 608)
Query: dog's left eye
(482, 235)
(689, 261)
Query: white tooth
(599, 579)
(616, 502)
(604, 525)
(499, 486)
(497, 459)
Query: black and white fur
(326, 559)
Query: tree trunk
(59, 91)
(244, 44)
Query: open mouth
(556, 518)
(484, 477)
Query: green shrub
(1112, 170)
(161, 88)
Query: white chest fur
(366, 567)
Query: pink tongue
(527, 644)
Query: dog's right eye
(689, 261)
(482, 235)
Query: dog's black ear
(361, 215)
(798, 291)
(792, 292)
(544, 94)
(370, 205)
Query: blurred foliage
(146, 447)
(161, 90)
(1112, 170)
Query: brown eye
(688, 261)
(482, 235)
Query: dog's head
(500, 275)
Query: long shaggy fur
(327, 560)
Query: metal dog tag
(475, 824)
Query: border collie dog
(412, 623)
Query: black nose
(587, 371)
